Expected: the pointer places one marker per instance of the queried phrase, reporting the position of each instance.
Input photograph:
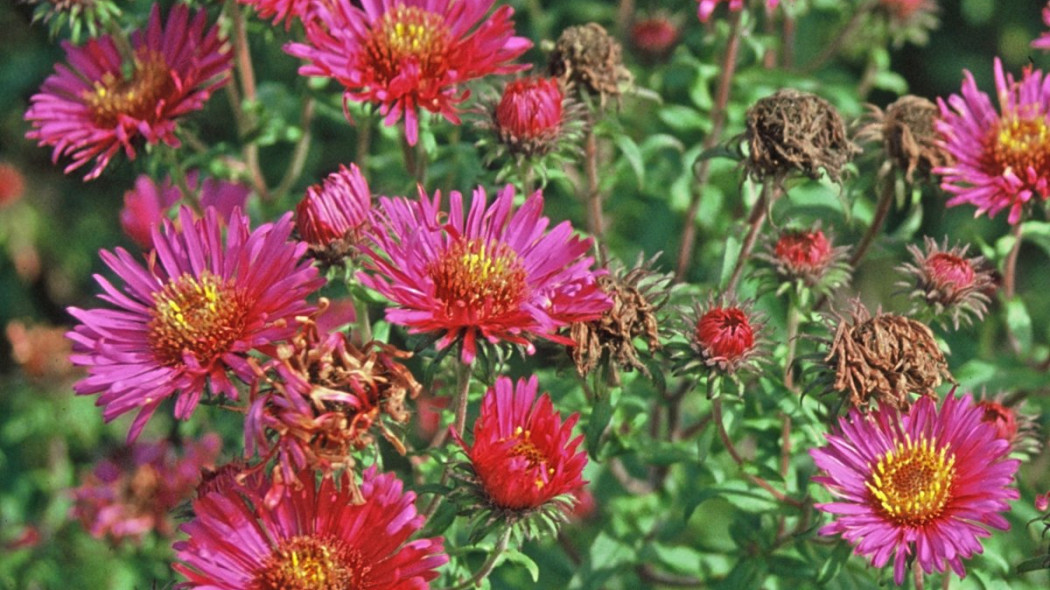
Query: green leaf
(633, 155)
(834, 564)
(1019, 322)
(515, 556)
(599, 419)
(732, 253)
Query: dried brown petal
(794, 131)
(906, 131)
(589, 58)
(886, 357)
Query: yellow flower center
(523, 447)
(912, 483)
(134, 94)
(409, 33)
(479, 275)
(309, 563)
(1019, 143)
(203, 316)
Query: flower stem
(246, 73)
(489, 565)
(595, 220)
(755, 223)
(1010, 265)
(414, 165)
(716, 413)
(302, 149)
(882, 209)
(703, 168)
(792, 342)
(463, 371)
(178, 176)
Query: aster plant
(425, 373)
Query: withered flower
(795, 132)
(886, 357)
(947, 283)
(320, 399)
(908, 137)
(637, 294)
(41, 351)
(590, 59)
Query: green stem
(755, 223)
(702, 170)
(1010, 264)
(792, 341)
(488, 566)
(178, 176)
(459, 423)
(302, 149)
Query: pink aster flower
(281, 10)
(103, 101)
(926, 484)
(333, 216)
(132, 494)
(316, 538)
(193, 312)
(1043, 42)
(707, 7)
(1002, 160)
(146, 205)
(404, 55)
(523, 455)
(493, 273)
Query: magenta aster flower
(707, 7)
(333, 216)
(925, 484)
(103, 101)
(281, 10)
(495, 273)
(191, 314)
(316, 538)
(523, 454)
(146, 205)
(409, 54)
(1002, 160)
(1043, 42)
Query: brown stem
(882, 209)
(703, 168)
(1010, 265)
(302, 149)
(755, 223)
(595, 220)
(246, 73)
(787, 42)
(716, 413)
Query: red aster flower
(103, 101)
(529, 118)
(133, 494)
(1002, 161)
(146, 205)
(803, 251)
(1013, 425)
(192, 313)
(926, 484)
(333, 216)
(654, 37)
(316, 538)
(724, 336)
(489, 273)
(405, 55)
(523, 455)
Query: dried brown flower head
(324, 400)
(947, 283)
(886, 357)
(794, 131)
(637, 294)
(908, 136)
(590, 59)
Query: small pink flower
(1043, 42)
(333, 217)
(147, 205)
(707, 7)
